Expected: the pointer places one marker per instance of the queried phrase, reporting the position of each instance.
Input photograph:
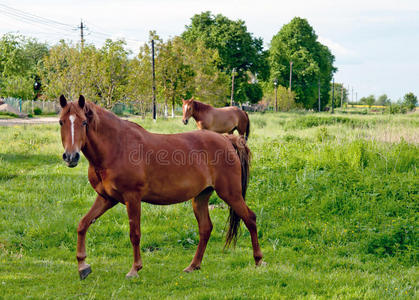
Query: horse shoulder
(95, 179)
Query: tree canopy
(19, 59)
(410, 100)
(199, 63)
(237, 48)
(297, 42)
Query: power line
(33, 17)
(40, 29)
(32, 22)
(63, 28)
(101, 32)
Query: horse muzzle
(185, 121)
(72, 159)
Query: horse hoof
(131, 275)
(191, 269)
(261, 263)
(85, 272)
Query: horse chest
(104, 185)
(200, 125)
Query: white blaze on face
(185, 108)
(72, 118)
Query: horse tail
(244, 154)
(247, 126)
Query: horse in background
(221, 120)
(129, 165)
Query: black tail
(247, 127)
(244, 155)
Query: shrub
(37, 111)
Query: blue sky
(376, 43)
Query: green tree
(237, 48)
(99, 74)
(370, 100)
(209, 84)
(173, 73)
(19, 58)
(139, 86)
(68, 70)
(383, 100)
(312, 62)
(112, 72)
(285, 97)
(410, 101)
(341, 95)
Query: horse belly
(225, 126)
(172, 187)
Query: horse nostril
(65, 156)
(77, 156)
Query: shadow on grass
(30, 159)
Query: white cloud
(358, 32)
(335, 47)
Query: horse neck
(199, 110)
(103, 140)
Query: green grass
(337, 201)
(7, 115)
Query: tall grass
(336, 201)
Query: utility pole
(333, 95)
(352, 95)
(319, 94)
(82, 33)
(232, 86)
(154, 81)
(290, 75)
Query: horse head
(74, 122)
(188, 109)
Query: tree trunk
(173, 106)
(165, 108)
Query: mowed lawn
(336, 197)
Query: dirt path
(31, 121)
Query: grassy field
(337, 200)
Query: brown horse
(221, 120)
(129, 165)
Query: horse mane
(97, 114)
(200, 107)
(91, 111)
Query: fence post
(32, 107)
(20, 105)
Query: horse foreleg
(100, 206)
(133, 204)
(200, 208)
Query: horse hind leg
(200, 208)
(239, 206)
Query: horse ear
(183, 100)
(63, 101)
(82, 101)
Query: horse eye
(84, 123)
(61, 123)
